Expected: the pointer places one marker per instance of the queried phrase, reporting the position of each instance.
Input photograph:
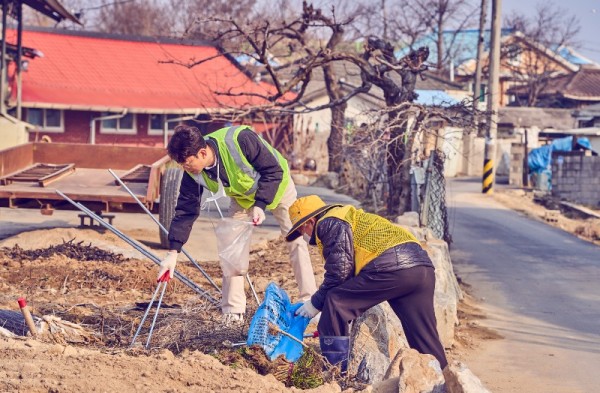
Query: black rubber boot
(336, 350)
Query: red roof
(90, 71)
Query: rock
(420, 373)
(376, 337)
(422, 234)
(300, 179)
(460, 379)
(408, 219)
(387, 386)
(412, 372)
(447, 291)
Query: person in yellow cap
(368, 260)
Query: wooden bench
(106, 217)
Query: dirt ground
(85, 276)
(80, 276)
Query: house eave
(581, 98)
(106, 108)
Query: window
(585, 123)
(157, 123)
(50, 120)
(482, 92)
(123, 125)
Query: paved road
(540, 288)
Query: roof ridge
(120, 37)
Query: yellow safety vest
(372, 234)
(243, 178)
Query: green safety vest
(243, 178)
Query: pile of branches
(69, 249)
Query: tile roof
(106, 72)
(583, 85)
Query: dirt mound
(90, 282)
(30, 366)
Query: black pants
(408, 291)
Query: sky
(587, 11)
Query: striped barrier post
(488, 176)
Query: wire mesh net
(434, 212)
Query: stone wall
(576, 178)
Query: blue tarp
(277, 310)
(540, 159)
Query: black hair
(185, 142)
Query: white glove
(258, 215)
(168, 263)
(307, 310)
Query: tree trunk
(395, 167)
(440, 48)
(335, 142)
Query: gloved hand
(307, 310)
(168, 263)
(258, 215)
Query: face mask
(306, 237)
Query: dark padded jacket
(338, 252)
(190, 191)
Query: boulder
(300, 179)
(420, 373)
(408, 219)
(423, 234)
(376, 337)
(411, 371)
(447, 291)
(460, 379)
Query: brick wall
(576, 178)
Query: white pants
(234, 297)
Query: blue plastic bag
(277, 310)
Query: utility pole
(385, 21)
(478, 65)
(493, 101)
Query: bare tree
(369, 143)
(136, 17)
(408, 21)
(185, 15)
(300, 53)
(532, 57)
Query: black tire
(169, 191)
